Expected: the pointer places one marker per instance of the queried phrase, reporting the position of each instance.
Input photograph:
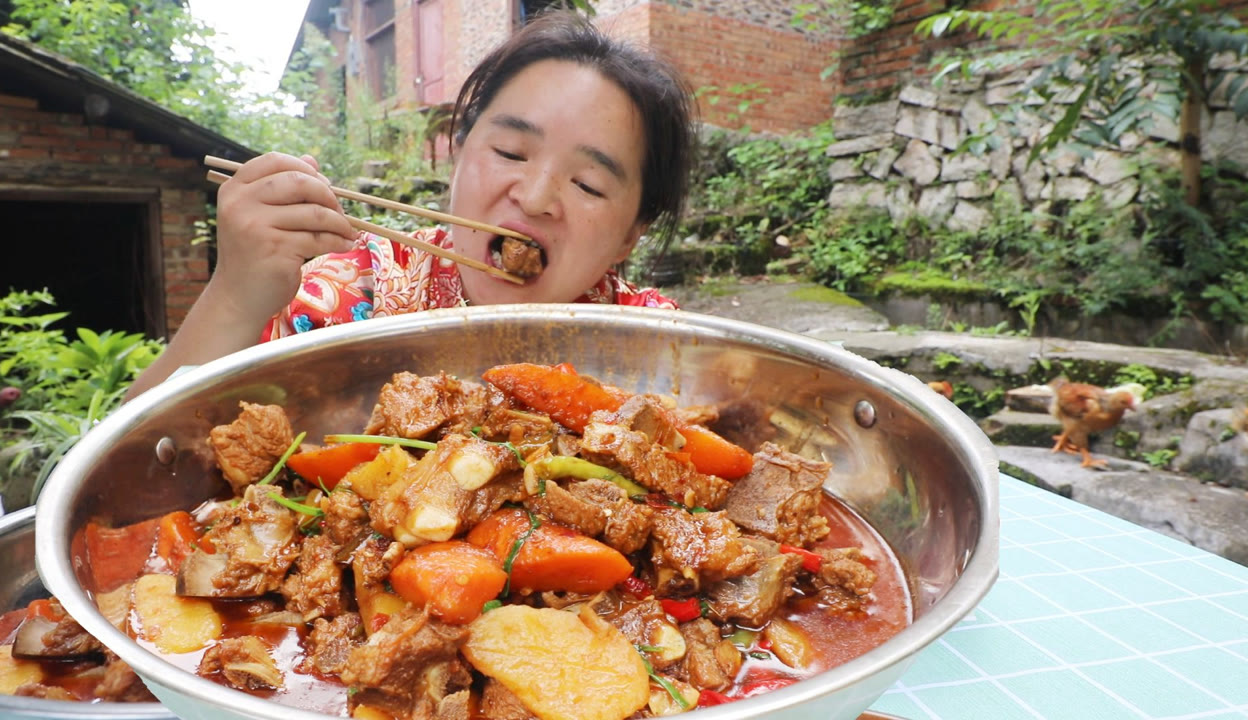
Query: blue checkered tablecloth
(1093, 618)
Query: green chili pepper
(553, 466)
(381, 440)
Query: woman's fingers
(274, 162)
(310, 230)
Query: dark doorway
(90, 255)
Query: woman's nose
(536, 192)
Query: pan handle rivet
(864, 413)
(166, 451)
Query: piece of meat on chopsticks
(520, 258)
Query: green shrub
(67, 386)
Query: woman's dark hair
(663, 100)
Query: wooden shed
(100, 190)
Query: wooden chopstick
(223, 164)
(402, 239)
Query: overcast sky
(260, 32)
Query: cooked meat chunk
(652, 466)
(567, 509)
(705, 544)
(456, 706)
(499, 703)
(711, 662)
(330, 643)
(843, 580)
(40, 638)
(520, 428)
(413, 406)
(345, 516)
(430, 501)
(645, 414)
(255, 543)
(628, 524)
(248, 448)
(244, 662)
(780, 497)
(753, 599)
(121, 683)
(315, 588)
(391, 668)
(507, 489)
(520, 258)
(645, 623)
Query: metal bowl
(21, 585)
(908, 460)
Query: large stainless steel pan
(906, 458)
(19, 584)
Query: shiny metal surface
(20, 585)
(922, 472)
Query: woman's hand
(272, 216)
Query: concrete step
(1012, 427)
(1208, 516)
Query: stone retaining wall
(900, 154)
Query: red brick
(14, 101)
(24, 153)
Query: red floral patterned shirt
(379, 277)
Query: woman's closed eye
(589, 189)
(508, 155)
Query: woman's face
(557, 156)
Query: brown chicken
(1085, 409)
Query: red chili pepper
(764, 644)
(811, 561)
(708, 698)
(682, 610)
(636, 587)
(379, 621)
(765, 682)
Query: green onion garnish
(534, 524)
(281, 462)
(296, 506)
(380, 440)
(491, 605)
(662, 681)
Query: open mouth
(521, 258)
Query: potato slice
(15, 673)
(560, 665)
(789, 643)
(371, 479)
(174, 624)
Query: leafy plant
(1106, 67)
(67, 386)
(855, 18)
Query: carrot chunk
(453, 579)
(551, 557)
(570, 399)
(556, 390)
(176, 538)
(330, 464)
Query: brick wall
(51, 151)
(723, 52)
